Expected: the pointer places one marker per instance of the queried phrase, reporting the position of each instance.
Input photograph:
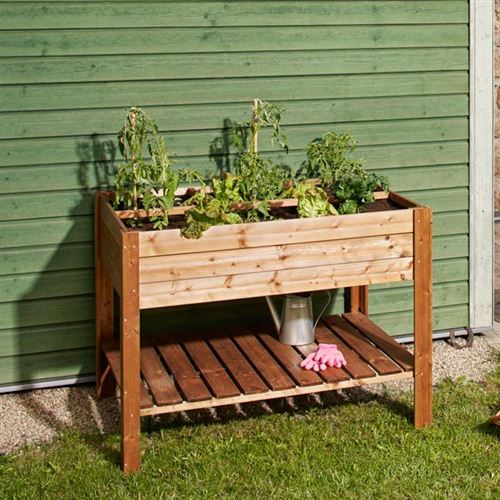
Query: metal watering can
(296, 326)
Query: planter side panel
(279, 232)
(215, 275)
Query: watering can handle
(324, 308)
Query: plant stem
(255, 128)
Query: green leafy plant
(260, 179)
(347, 181)
(255, 181)
(213, 210)
(145, 175)
(312, 200)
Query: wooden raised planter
(150, 269)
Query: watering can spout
(274, 314)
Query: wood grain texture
(67, 98)
(178, 117)
(423, 316)
(130, 385)
(162, 388)
(72, 14)
(352, 337)
(196, 143)
(273, 258)
(388, 345)
(105, 385)
(279, 232)
(274, 282)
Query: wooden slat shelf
(215, 368)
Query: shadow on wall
(62, 300)
(68, 278)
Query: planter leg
(358, 299)
(130, 357)
(422, 289)
(105, 384)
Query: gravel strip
(37, 416)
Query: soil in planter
(178, 221)
(380, 206)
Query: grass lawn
(340, 448)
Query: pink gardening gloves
(326, 355)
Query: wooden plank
(158, 380)
(57, 69)
(401, 200)
(54, 364)
(111, 257)
(20, 342)
(105, 385)
(227, 39)
(358, 298)
(34, 259)
(112, 352)
(114, 225)
(181, 210)
(70, 15)
(49, 231)
(204, 116)
(193, 143)
(186, 377)
(440, 186)
(274, 283)
(279, 232)
(130, 385)
(211, 370)
(153, 93)
(240, 369)
(443, 188)
(43, 285)
(445, 294)
(423, 316)
(392, 349)
(265, 365)
(443, 318)
(381, 156)
(358, 343)
(355, 366)
(331, 374)
(290, 360)
(52, 311)
(296, 391)
(273, 258)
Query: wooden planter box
(150, 269)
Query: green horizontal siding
(394, 73)
(77, 96)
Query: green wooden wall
(394, 73)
